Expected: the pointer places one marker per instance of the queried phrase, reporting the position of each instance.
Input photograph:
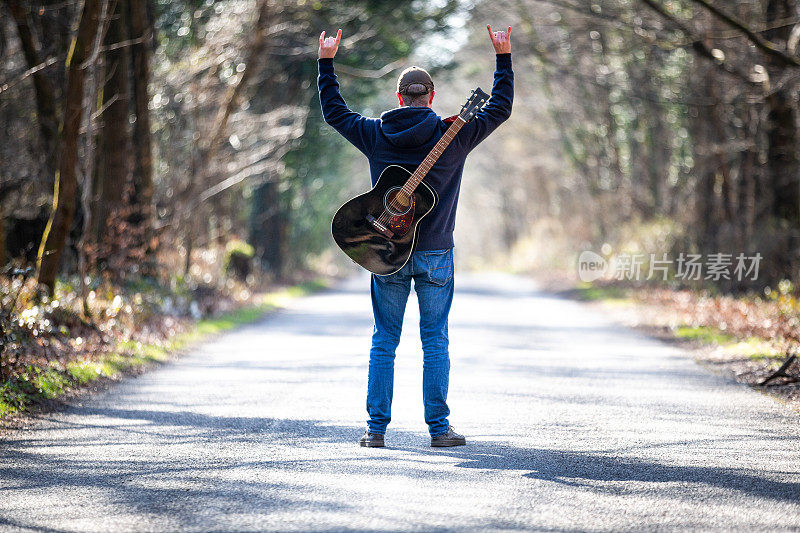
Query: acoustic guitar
(378, 229)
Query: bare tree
(141, 33)
(64, 194)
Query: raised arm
(357, 129)
(498, 108)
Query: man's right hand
(329, 46)
(501, 40)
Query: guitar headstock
(474, 104)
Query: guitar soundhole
(397, 202)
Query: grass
(607, 293)
(32, 384)
(757, 349)
(704, 334)
(36, 384)
(754, 348)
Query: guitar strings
(428, 162)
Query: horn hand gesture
(501, 40)
(329, 46)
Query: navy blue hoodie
(406, 134)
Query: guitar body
(378, 229)
(383, 252)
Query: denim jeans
(432, 272)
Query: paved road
(574, 424)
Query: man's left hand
(328, 46)
(501, 40)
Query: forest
(160, 157)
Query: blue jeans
(432, 272)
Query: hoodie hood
(409, 126)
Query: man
(404, 136)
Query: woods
(229, 96)
(678, 113)
(681, 111)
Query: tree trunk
(783, 167)
(55, 234)
(267, 228)
(782, 136)
(142, 144)
(2, 237)
(703, 135)
(115, 163)
(43, 89)
(782, 160)
(747, 187)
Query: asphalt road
(573, 424)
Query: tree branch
(33, 70)
(255, 50)
(373, 74)
(697, 43)
(768, 47)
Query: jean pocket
(440, 266)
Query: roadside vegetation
(747, 336)
(57, 347)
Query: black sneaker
(451, 438)
(372, 440)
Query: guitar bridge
(380, 228)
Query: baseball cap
(414, 81)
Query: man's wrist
(504, 59)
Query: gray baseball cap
(414, 81)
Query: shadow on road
(164, 482)
(581, 469)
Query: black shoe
(372, 440)
(451, 438)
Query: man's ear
(400, 99)
(431, 99)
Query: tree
(45, 93)
(64, 193)
(114, 168)
(141, 33)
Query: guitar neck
(433, 156)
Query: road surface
(573, 424)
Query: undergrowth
(49, 379)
